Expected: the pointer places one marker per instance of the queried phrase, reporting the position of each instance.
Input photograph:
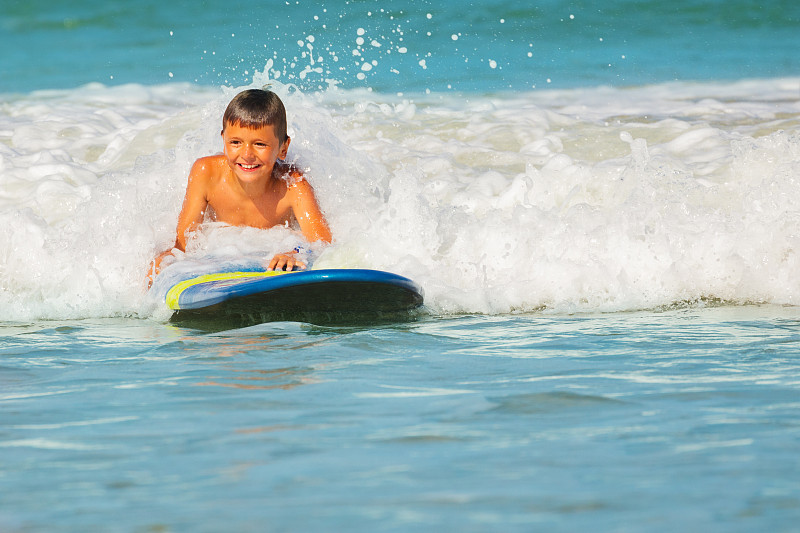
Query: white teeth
(249, 167)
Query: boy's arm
(195, 202)
(310, 219)
(194, 206)
(308, 214)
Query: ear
(284, 148)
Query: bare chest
(262, 211)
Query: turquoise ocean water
(599, 202)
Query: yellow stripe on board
(175, 292)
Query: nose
(248, 151)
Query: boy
(246, 185)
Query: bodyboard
(220, 300)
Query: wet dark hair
(256, 108)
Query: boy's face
(252, 152)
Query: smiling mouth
(248, 167)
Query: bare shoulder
(288, 171)
(208, 166)
(293, 177)
(206, 170)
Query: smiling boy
(249, 184)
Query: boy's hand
(287, 262)
(155, 266)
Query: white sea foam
(587, 199)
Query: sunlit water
(676, 420)
(600, 204)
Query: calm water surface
(659, 421)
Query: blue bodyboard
(324, 296)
